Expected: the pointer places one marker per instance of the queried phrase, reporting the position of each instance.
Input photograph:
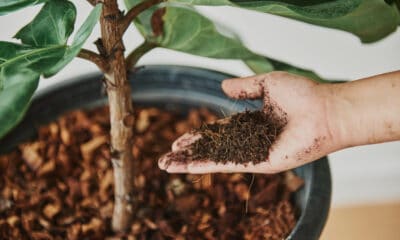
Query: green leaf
(259, 64)
(15, 97)
(44, 52)
(187, 31)
(17, 60)
(7, 6)
(38, 59)
(20, 69)
(370, 20)
(306, 8)
(79, 39)
(143, 21)
(281, 66)
(51, 26)
(263, 65)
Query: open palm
(306, 137)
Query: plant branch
(92, 2)
(397, 2)
(135, 55)
(135, 11)
(94, 58)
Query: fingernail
(225, 83)
(162, 161)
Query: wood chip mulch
(60, 186)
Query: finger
(184, 141)
(177, 168)
(174, 162)
(244, 88)
(164, 161)
(203, 167)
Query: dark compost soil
(246, 137)
(60, 186)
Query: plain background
(361, 175)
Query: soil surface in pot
(60, 186)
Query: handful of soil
(246, 137)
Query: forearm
(365, 111)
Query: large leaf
(17, 58)
(79, 39)
(20, 68)
(44, 51)
(262, 65)
(370, 20)
(7, 6)
(187, 31)
(143, 21)
(306, 8)
(38, 59)
(52, 25)
(15, 97)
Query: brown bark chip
(60, 186)
(246, 137)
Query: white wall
(360, 175)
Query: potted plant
(174, 24)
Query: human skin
(321, 119)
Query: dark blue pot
(177, 88)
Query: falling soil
(246, 137)
(60, 186)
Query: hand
(306, 137)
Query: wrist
(364, 111)
(338, 114)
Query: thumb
(244, 88)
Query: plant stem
(95, 58)
(397, 2)
(92, 2)
(136, 54)
(135, 11)
(121, 116)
